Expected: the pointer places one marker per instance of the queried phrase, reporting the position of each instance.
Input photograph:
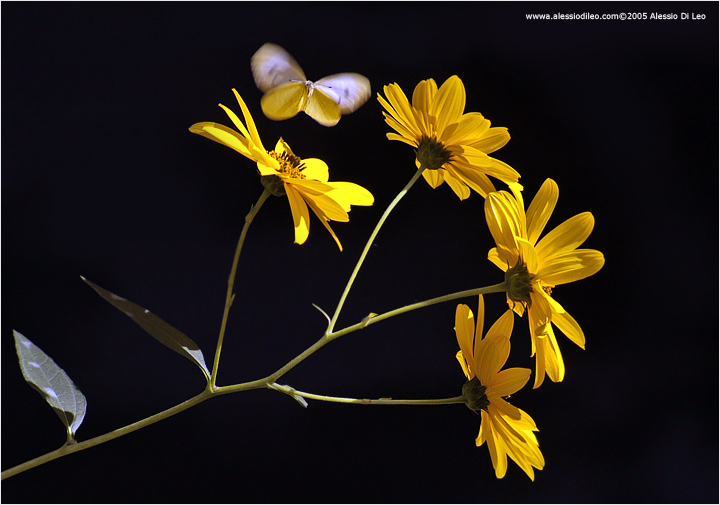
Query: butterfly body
(288, 91)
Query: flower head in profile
(507, 430)
(541, 264)
(452, 146)
(303, 181)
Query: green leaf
(51, 381)
(156, 327)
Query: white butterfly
(287, 90)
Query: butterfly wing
(272, 65)
(348, 90)
(322, 107)
(284, 101)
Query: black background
(101, 178)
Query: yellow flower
(304, 181)
(555, 259)
(507, 429)
(454, 146)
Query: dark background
(101, 178)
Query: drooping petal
(457, 185)
(301, 216)
(566, 323)
(496, 444)
(507, 410)
(486, 435)
(348, 193)
(504, 172)
(548, 359)
(317, 195)
(539, 313)
(567, 236)
(541, 208)
(434, 177)
(570, 266)
(470, 175)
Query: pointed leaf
(51, 381)
(156, 327)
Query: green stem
(364, 401)
(231, 282)
(268, 382)
(72, 448)
(369, 244)
(69, 449)
(329, 337)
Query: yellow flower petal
(570, 266)
(480, 318)
(566, 323)
(492, 140)
(508, 382)
(315, 169)
(486, 361)
(566, 236)
(301, 216)
(468, 174)
(469, 130)
(464, 364)
(448, 104)
(434, 177)
(423, 94)
(541, 208)
(348, 193)
(458, 187)
(254, 135)
(500, 332)
(465, 331)
(223, 135)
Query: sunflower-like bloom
(453, 146)
(555, 259)
(507, 430)
(304, 181)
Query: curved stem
(364, 401)
(72, 448)
(69, 449)
(268, 382)
(329, 337)
(369, 244)
(231, 282)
